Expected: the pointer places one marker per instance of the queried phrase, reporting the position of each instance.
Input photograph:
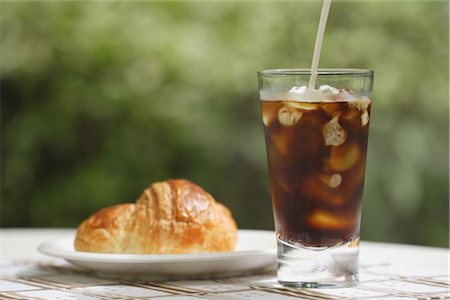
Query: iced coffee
(316, 142)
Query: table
(388, 271)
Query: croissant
(174, 216)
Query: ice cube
(331, 109)
(325, 220)
(365, 118)
(298, 89)
(268, 117)
(281, 143)
(303, 94)
(320, 187)
(361, 104)
(333, 133)
(289, 116)
(344, 157)
(328, 89)
(301, 105)
(333, 181)
(351, 115)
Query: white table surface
(22, 243)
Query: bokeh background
(100, 99)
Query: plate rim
(49, 249)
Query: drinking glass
(316, 142)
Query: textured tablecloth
(388, 271)
(56, 279)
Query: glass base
(314, 267)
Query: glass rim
(320, 72)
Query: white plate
(256, 250)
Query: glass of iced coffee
(316, 142)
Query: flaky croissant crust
(174, 216)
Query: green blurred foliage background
(100, 99)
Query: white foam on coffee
(324, 93)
